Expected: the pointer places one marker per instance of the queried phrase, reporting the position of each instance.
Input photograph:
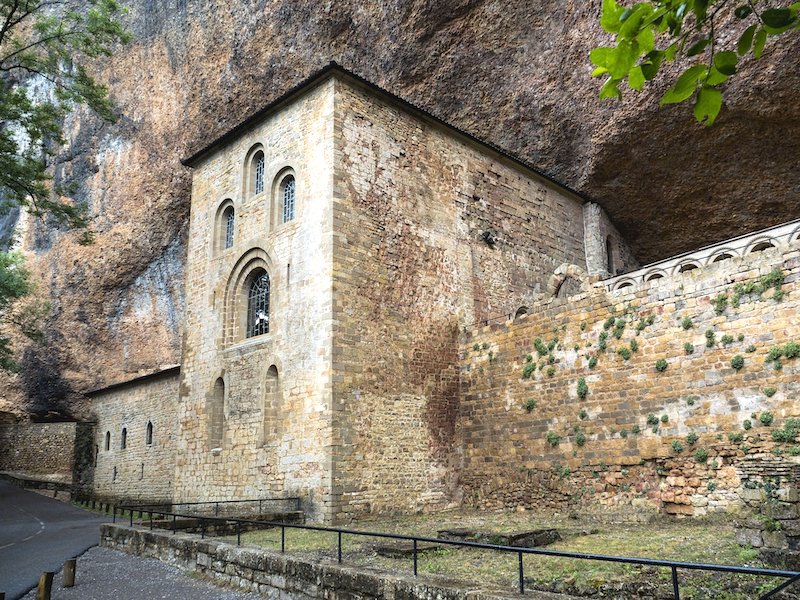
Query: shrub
(737, 362)
(485, 346)
(580, 438)
(583, 414)
(551, 359)
(766, 418)
(688, 348)
(476, 347)
(665, 418)
(692, 438)
(652, 419)
(623, 434)
(609, 323)
(592, 362)
(750, 349)
(701, 455)
(583, 326)
(661, 365)
(711, 485)
(686, 323)
(619, 327)
(636, 429)
(769, 392)
(528, 358)
(720, 303)
(634, 346)
(528, 370)
(736, 438)
(541, 349)
(740, 337)
(551, 371)
(602, 341)
(691, 400)
(711, 338)
(677, 447)
(747, 424)
(529, 405)
(726, 340)
(582, 388)
(624, 352)
(553, 438)
(789, 432)
(794, 451)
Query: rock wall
(143, 469)
(42, 450)
(593, 416)
(514, 73)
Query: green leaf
(698, 47)
(777, 17)
(715, 77)
(599, 71)
(759, 41)
(746, 41)
(631, 24)
(636, 78)
(623, 59)
(685, 86)
(742, 12)
(646, 39)
(610, 16)
(670, 51)
(602, 57)
(725, 62)
(610, 90)
(652, 64)
(708, 105)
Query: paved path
(102, 573)
(38, 534)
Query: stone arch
(521, 312)
(760, 244)
(272, 406)
(215, 409)
(251, 173)
(237, 290)
(720, 255)
(280, 183)
(224, 232)
(654, 275)
(686, 266)
(624, 283)
(795, 235)
(573, 276)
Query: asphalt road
(38, 534)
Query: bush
(726, 340)
(634, 346)
(592, 362)
(720, 303)
(711, 338)
(528, 370)
(541, 349)
(692, 438)
(636, 429)
(770, 392)
(652, 419)
(609, 323)
(624, 352)
(688, 348)
(580, 438)
(553, 438)
(665, 418)
(747, 424)
(736, 438)
(737, 362)
(583, 414)
(661, 365)
(582, 388)
(551, 371)
(686, 323)
(750, 349)
(529, 405)
(677, 447)
(766, 418)
(701, 455)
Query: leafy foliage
(651, 33)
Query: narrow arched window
(148, 438)
(609, 256)
(257, 167)
(216, 415)
(258, 304)
(287, 191)
(108, 440)
(228, 222)
(123, 442)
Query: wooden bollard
(69, 573)
(45, 586)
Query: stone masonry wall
(682, 439)
(140, 471)
(44, 450)
(431, 233)
(275, 437)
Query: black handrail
(791, 577)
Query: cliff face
(514, 73)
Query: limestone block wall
(140, 471)
(432, 232)
(44, 450)
(571, 405)
(275, 428)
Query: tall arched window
(287, 193)
(216, 415)
(257, 170)
(258, 304)
(123, 441)
(108, 440)
(609, 256)
(148, 438)
(228, 221)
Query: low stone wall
(41, 450)
(277, 575)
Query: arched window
(216, 415)
(108, 440)
(228, 220)
(287, 193)
(609, 256)
(148, 438)
(258, 303)
(257, 172)
(123, 441)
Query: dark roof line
(335, 68)
(140, 379)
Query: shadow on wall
(46, 391)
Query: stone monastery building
(355, 334)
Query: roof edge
(174, 369)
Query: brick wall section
(412, 266)
(38, 449)
(139, 472)
(507, 460)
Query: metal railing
(223, 507)
(791, 577)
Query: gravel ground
(102, 574)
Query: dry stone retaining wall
(45, 450)
(529, 439)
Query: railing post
(68, 578)
(150, 518)
(521, 575)
(415, 557)
(238, 533)
(114, 520)
(45, 586)
(283, 538)
(675, 590)
(339, 536)
(216, 509)
(173, 523)
(202, 529)
(259, 507)
(131, 514)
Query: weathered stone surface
(749, 537)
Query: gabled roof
(334, 69)
(163, 372)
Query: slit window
(123, 441)
(108, 440)
(149, 435)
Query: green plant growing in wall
(747, 424)
(476, 347)
(491, 356)
(661, 365)
(551, 371)
(665, 418)
(677, 447)
(529, 405)
(528, 370)
(623, 434)
(769, 392)
(652, 419)
(794, 451)
(562, 472)
(552, 344)
(686, 323)
(541, 349)
(580, 438)
(485, 346)
(701, 455)
(528, 358)
(720, 303)
(766, 418)
(691, 400)
(619, 328)
(711, 485)
(750, 349)
(636, 429)
(634, 346)
(602, 341)
(641, 325)
(791, 427)
(592, 362)
(740, 337)
(726, 340)
(688, 348)
(692, 438)
(737, 362)
(609, 323)
(582, 388)
(711, 338)
(553, 438)
(624, 352)
(551, 359)
(773, 280)
(583, 326)
(583, 415)
(736, 437)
